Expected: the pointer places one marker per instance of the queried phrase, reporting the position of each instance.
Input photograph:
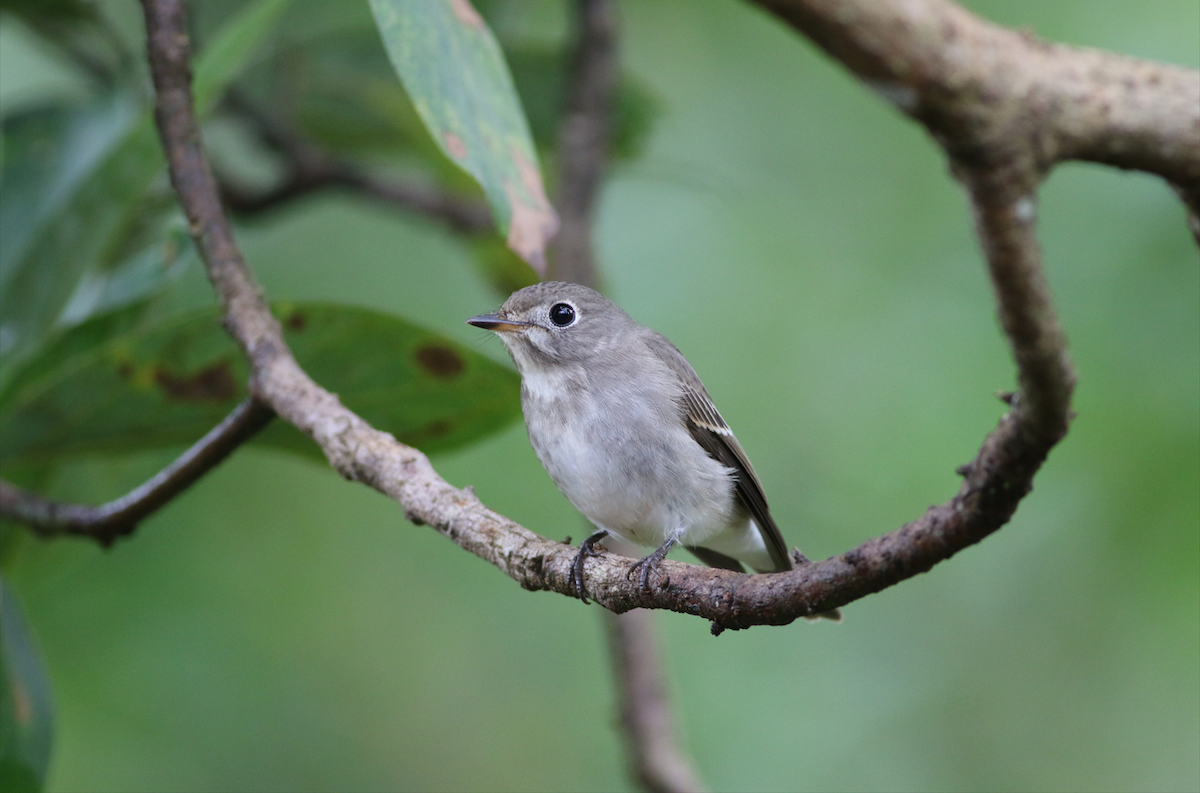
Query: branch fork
(1004, 106)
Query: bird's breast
(618, 450)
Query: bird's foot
(587, 549)
(648, 564)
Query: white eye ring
(563, 314)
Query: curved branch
(1000, 173)
(1004, 222)
(1004, 99)
(109, 522)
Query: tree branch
(651, 746)
(109, 522)
(1001, 99)
(655, 758)
(995, 480)
(311, 170)
(584, 139)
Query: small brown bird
(625, 428)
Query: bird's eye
(562, 314)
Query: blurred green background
(279, 629)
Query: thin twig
(652, 747)
(996, 480)
(656, 759)
(311, 170)
(583, 140)
(109, 522)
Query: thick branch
(1002, 98)
(108, 522)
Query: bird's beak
(498, 323)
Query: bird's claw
(587, 549)
(649, 564)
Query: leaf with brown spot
(164, 384)
(465, 12)
(440, 361)
(424, 435)
(295, 321)
(213, 383)
(455, 146)
(169, 383)
(423, 388)
(455, 74)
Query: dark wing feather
(705, 424)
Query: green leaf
(230, 52)
(71, 245)
(542, 78)
(81, 30)
(72, 343)
(81, 189)
(49, 9)
(504, 270)
(168, 384)
(136, 279)
(344, 94)
(70, 180)
(455, 74)
(26, 706)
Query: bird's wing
(705, 424)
